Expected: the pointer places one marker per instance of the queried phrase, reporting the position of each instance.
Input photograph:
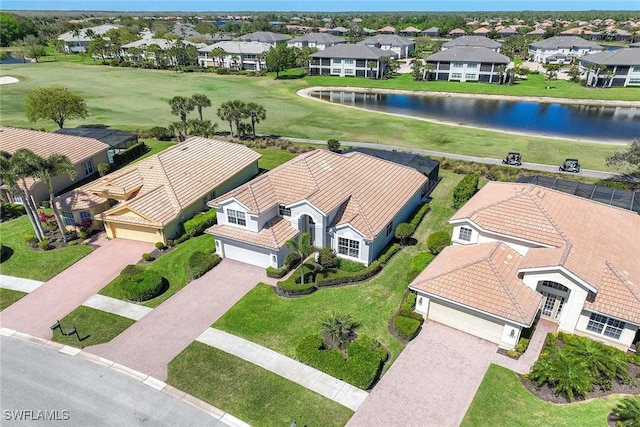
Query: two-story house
(561, 49)
(353, 60)
(265, 37)
(400, 46)
(349, 202)
(612, 68)
(473, 41)
(521, 249)
(237, 55)
(320, 41)
(463, 64)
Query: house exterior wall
(623, 343)
(242, 61)
(348, 232)
(573, 306)
(464, 71)
(482, 237)
(343, 67)
(95, 224)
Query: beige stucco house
(349, 202)
(149, 200)
(84, 153)
(521, 248)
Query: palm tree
(608, 77)
(225, 113)
(233, 112)
(202, 128)
(627, 412)
(303, 248)
(370, 66)
(76, 32)
(180, 130)
(256, 112)
(218, 55)
(428, 70)
(339, 327)
(200, 101)
(501, 72)
(49, 168)
(181, 106)
(24, 164)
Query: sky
(318, 5)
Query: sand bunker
(8, 79)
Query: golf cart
(570, 165)
(513, 159)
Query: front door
(552, 306)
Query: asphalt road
(486, 160)
(77, 392)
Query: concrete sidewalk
(36, 312)
(119, 307)
(19, 284)
(308, 377)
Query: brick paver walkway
(524, 363)
(36, 312)
(152, 342)
(432, 383)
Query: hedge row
(341, 277)
(365, 358)
(388, 252)
(465, 190)
(199, 263)
(11, 210)
(142, 286)
(418, 214)
(129, 154)
(290, 261)
(200, 222)
(406, 323)
(418, 263)
(292, 286)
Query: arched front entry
(307, 225)
(554, 299)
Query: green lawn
(94, 327)
(155, 147)
(249, 392)
(272, 157)
(503, 400)
(171, 266)
(31, 264)
(280, 323)
(8, 297)
(136, 98)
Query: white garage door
(466, 322)
(246, 255)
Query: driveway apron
(432, 383)
(152, 342)
(35, 313)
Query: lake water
(568, 121)
(11, 60)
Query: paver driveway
(36, 312)
(432, 383)
(152, 342)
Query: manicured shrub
(103, 168)
(365, 358)
(291, 288)
(465, 190)
(160, 133)
(351, 266)
(181, 239)
(418, 214)
(143, 286)
(418, 264)
(129, 154)
(291, 259)
(437, 241)
(30, 239)
(388, 252)
(147, 257)
(199, 263)
(627, 412)
(277, 273)
(409, 302)
(403, 232)
(328, 258)
(45, 245)
(324, 278)
(130, 271)
(200, 222)
(160, 245)
(520, 348)
(406, 327)
(11, 210)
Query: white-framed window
(88, 167)
(635, 69)
(471, 76)
(348, 247)
(16, 198)
(85, 216)
(457, 64)
(465, 234)
(456, 75)
(350, 71)
(335, 71)
(389, 228)
(336, 61)
(284, 211)
(473, 65)
(634, 81)
(236, 217)
(349, 61)
(68, 219)
(607, 326)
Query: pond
(558, 120)
(11, 60)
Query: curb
(148, 380)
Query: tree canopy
(629, 157)
(280, 59)
(54, 103)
